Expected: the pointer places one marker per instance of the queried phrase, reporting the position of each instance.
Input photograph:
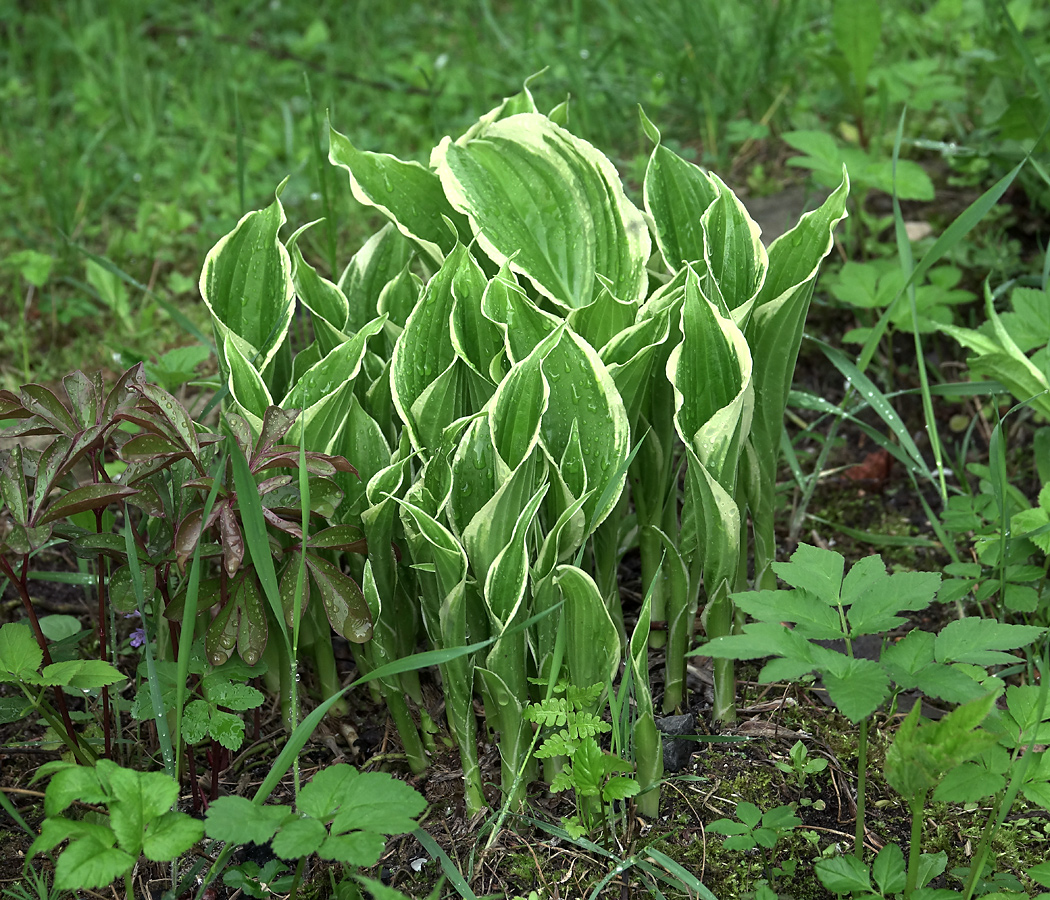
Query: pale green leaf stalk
(648, 746)
(712, 368)
(774, 333)
(445, 600)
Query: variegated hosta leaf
(521, 102)
(325, 391)
(329, 308)
(407, 193)
(521, 323)
(425, 355)
(585, 406)
(711, 374)
(383, 256)
(491, 529)
(710, 535)
(592, 647)
(473, 475)
(399, 297)
(247, 388)
(518, 407)
(550, 203)
(634, 357)
(733, 249)
(676, 195)
(603, 319)
(774, 331)
(247, 286)
(360, 440)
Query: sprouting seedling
(752, 828)
(800, 765)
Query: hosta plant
(519, 343)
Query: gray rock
(677, 749)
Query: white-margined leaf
(733, 249)
(383, 256)
(602, 320)
(324, 392)
(246, 284)
(247, 387)
(550, 203)
(424, 352)
(407, 193)
(676, 193)
(592, 647)
(329, 308)
(522, 324)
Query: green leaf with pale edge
(407, 193)
(247, 286)
(552, 205)
(676, 193)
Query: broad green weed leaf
(326, 791)
(813, 620)
(359, 849)
(238, 820)
(170, 835)
(968, 783)
(888, 870)
(138, 799)
(407, 193)
(247, 286)
(20, 654)
(72, 783)
(875, 597)
(814, 570)
(857, 688)
(843, 874)
(982, 641)
(299, 837)
(552, 205)
(82, 674)
(375, 801)
(90, 863)
(856, 27)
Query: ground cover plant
(509, 480)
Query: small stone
(677, 749)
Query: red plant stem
(23, 590)
(102, 636)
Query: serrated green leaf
(968, 783)
(843, 874)
(82, 674)
(238, 820)
(20, 654)
(170, 835)
(982, 642)
(90, 863)
(374, 801)
(227, 729)
(298, 838)
(888, 870)
(360, 849)
(326, 791)
(858, 688)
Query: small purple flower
(138, 637)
